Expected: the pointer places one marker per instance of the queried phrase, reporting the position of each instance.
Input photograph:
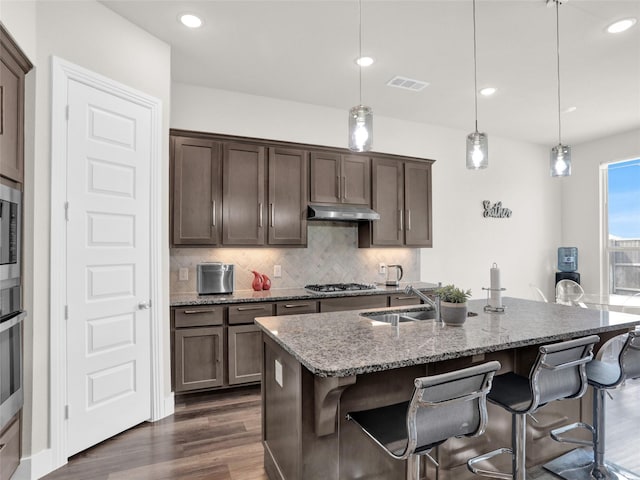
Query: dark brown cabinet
(353, 303)
(337, 178)
(288, 179)
(402, 197)
(243, 194)
(10, 448)
(296, 307)
(245, 351)
(199, 359)
(13, 67)
(197, 198)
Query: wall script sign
(496, 210)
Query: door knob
(144, 305)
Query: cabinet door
(356, 180)
(13, 66)
(326, 177)
(243, 188)
(353, 303)
(196, 191)
(417, 204)
(288, 181)
(198, 358)
(388, 189)
(245, 353)
(10, 449)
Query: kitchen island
(318, 367)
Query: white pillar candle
(495, 295)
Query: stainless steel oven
(11, 315)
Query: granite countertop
(342, 344)
(283, 294)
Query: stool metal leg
(590, 464)
(519, 446)
(413, 467)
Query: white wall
(90, 35)
(581, 200)
(465, 243)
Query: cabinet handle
(339, 186)
(2, 445)
(246, 309)
(404, 298)
(260, 215)
(344, 187)
(1, 109)
(273, 213)
(408, 219)
(401, 223)
(192, 312)
(297, 306)
(213, 213)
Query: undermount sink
(400, 316)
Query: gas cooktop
(339, 287)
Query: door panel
(108, 333)
(356, 180)
(325, 178)
(245, 354)
(417, 198)
(198, 361)
(388, 191)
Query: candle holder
(488, 307)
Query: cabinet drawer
(10, 450)
(199, 316)
(247, 312)
(297, 307)
(353, 303)
(399, 299)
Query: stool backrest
(630, 356)
(449, 405)
(559, 370)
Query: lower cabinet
(10, 449)
(199, 359)
(353, 303)
(245, 352)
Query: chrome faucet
(409, 290)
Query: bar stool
(558, 373)
(602, 376)
(448, 405)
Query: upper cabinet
(402, 197)
(337, 178)
(243, 194)
(288, 179)
(13, 68)
(197, 191)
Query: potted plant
(453, 304)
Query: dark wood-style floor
(217, 437)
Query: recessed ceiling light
(621, 25)
(364, 61)
(488, 91)
(570, 109)
(191, 21)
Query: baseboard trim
(36, 466)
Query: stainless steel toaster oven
(215, 277)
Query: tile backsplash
(332, 256)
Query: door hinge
(66, 211)
(66, 412)
(66, 312)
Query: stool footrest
(556, 434)
(487, 456)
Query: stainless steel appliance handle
(12, 322)
(246, 309)
(192, 312)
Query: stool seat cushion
(603, 374)
(511, 391)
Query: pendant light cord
(360, 48)
(475, 67)
(558, 59)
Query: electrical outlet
(277, 271)
(183, 274)
(382, 268)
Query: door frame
(61, 73)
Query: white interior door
(108, 265)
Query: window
(622, 223)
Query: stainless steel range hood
(349, 213)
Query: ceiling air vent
(407, 83)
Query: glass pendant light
(560, 165)
(477, 143)
(360, 116)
